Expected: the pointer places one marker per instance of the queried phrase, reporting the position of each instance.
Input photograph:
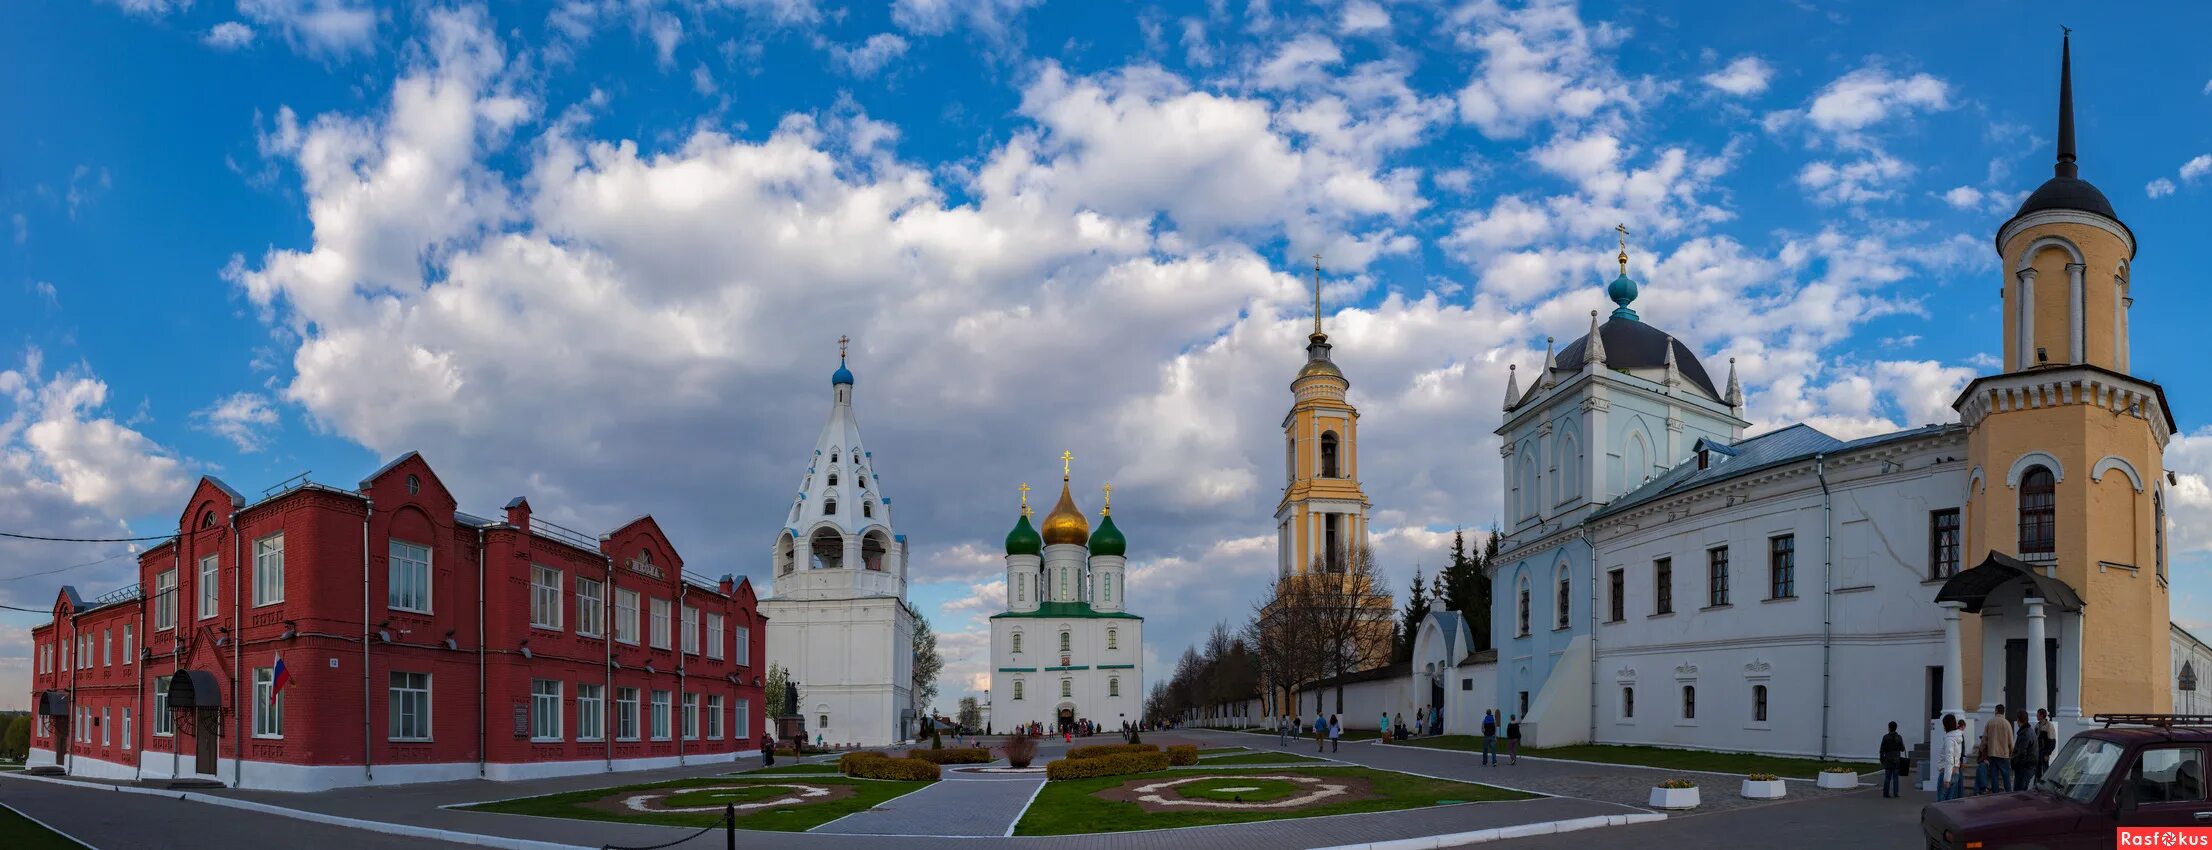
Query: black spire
(2065, 166)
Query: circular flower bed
(746, 797)
(1239, 792)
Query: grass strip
(1658, 757)
(1068, 807)
(867, 794)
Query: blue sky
(599, 253)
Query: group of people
(1426, 721)
(2010, 755)
(1490, 729)
(1327, 730)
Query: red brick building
(419, 643)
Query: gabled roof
(1793, 444)
(387, 467)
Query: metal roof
(1793, 444)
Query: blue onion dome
(1024, 540)
(1622, 290)
(1107, 539)
(842, 375)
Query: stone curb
(1485, 836)
(318, 817)
(1478, 753)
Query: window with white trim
(211, 586)
(408, 574)
(625, 714)
(162, 724)
(545, 710)
(107, 647)
(107, 722)
(1113, 638)
(714, 635)
(714, 717)
(268, 570)
(126, 727)
(625, 616)
(591, 614)
(591, 712)
(127, 656)
(745, 646)
(741, 726)
(660, 715)
(660, 623)
(268, 705)
(691, 717)
(165, 600)
(410, 706)
(691, 630)
(545, 597)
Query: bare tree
(1351, 618)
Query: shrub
(1116, 764)
(845, 762)
(956, 755)
(1021, 750)
(915, 770)
(1838, 769)
(1183, 754)
(1096, 750)
(1762, 777)
(1677, 783)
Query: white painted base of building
(277, 776)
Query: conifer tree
(1417, 608)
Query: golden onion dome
(1319, 367)
(1066, 523)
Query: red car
(2139, 770)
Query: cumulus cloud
(1744, 77)
(2196, 167)
(242, 418)
(1361, 17)
(1872, 95)
(315, 27)
(228, 35)
(935, 17)
(1871, 179)
(1963, 198)
(1539, 63)
(871, 55)
(2159, 188)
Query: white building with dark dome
(838, 620)
(1066, 648)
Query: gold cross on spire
(1025, 498)
(1317, 295)
(842, 341)
(1623, 228)
(1108, 508)
(1067, 465)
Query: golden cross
(1623, 228)
(1067, 465)
(841, 342)
(1317, 293)
(1025, 498)
(1109, 508)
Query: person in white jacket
(1949, 782)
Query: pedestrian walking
(1948, 778)
(1436, 720)
(1320, 732)
(2046, 739)
(767, 751)
(1893, 760)
(1384, 726)
(1398, 725)
(1490, 738)
(1513, 738)
(1999, 738)
(1421, 720)
(2026, 751)
(1336, 732)
(1282, 731)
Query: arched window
(1328, 455)
(414, 485)
(868, 508)
(1628, 702)
(1017, 689)
(1759, 703)
(829, 507)
(1067, 688)
(833, 455)
(871, 551)
(785, 555)
(1290, 459)
(1113, 686)
(829, 550)
(1689, 702)
(2158, 528)
(1113, 638)
(2038, 512)
(1563, 587)
(1017, 641)
(1524, 612)
(833, 479)
(1063, 640)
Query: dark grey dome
(2067, 193)
(1630, 344)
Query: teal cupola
(1622, 290)
(842, 375)
(1106, 539)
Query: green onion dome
(1024, 540)
(1107, 539)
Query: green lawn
(1210, 751)
(825, 768)
(867, 795)
(23, 834)
(1234, 789)
(1066, 807)
(1256, 758)
(1349, 734)
(1738, 763)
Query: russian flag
(283, 677)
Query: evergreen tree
(1467, 586)
(1417, 608)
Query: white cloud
(228, 35)
(871, 55)
(1964, 198)
(1362, 16)
(242, 418)
(2196, 167)
(990, 18)
(1871, 179)
(1744, 77)
(1302, 61)
(1870, 96)
(316, 27)
(2159, 188)
(151, 8)
(1539, 63)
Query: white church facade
(838, 620)
(1066, 648)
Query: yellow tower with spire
(2065, 505)
(1322, 518)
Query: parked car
(2143, 770)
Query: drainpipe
(682, 589)
(176, 660)
(1589, 541)
(368, 755)
(138, 698)
(606, 638)
(69, 765)
(237, 646)
(483, 718)
(1827, 596)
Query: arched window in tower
(1523, 609)
(868, 508)
(2158, 529)
(1689, 702)
(1017, 641)
(829, 507)
(833, 479)
(1067, 688)
(1628, 702)
(1561, 621)
(1290, 459)
(829, 550)
(833, 455)
(1113, 686)
(2038, 513)
(1063, 640)
(786, 552)
(1328, 455)
(1113, 638)
(871, 551)
(1017, 689)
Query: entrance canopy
(1974, 586)
(53, 703)
(194, 689)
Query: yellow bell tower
(2065, 503)
(1322, 519)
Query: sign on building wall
(522, 720)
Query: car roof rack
(2162, 721)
